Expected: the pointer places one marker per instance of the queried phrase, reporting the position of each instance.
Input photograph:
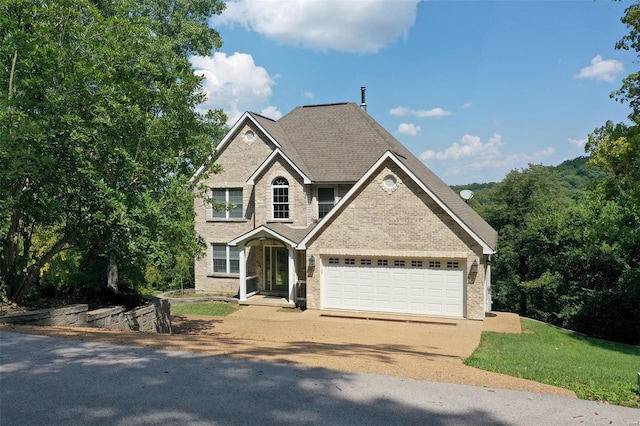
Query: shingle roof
(340, 142)
(294, 234)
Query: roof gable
(231, 134)
(276, 153)
(487, 241)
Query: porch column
(243, 274)
(292, 276)
(487, 284)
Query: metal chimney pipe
(363, 104)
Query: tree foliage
(566, 256)
(570, 254)
(99, 131)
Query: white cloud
(347, 26)
(400, 111)
(404, 111)
(271, 112)
(234, 83)
(408, 129)
(466, 105)
(544, 153)
(309, 95)
(580, 143)
(601, 69)
(434, 112)
(469, 146)
(473, 157)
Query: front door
(276, 261)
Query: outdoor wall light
(312, 262)
(474, 267)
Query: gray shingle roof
(294, 234)
(340, 142)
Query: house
(325, 204)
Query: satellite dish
(466, 194)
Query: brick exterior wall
(402, 221)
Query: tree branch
(13, 70)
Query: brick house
(324, 204)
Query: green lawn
(215, 309)
(594, 369)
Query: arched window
(280, 198)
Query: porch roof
(277, 231)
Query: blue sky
(473, 88)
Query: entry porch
(280, 268)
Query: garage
(407, 286)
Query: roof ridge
(262, 116)
(323, 105)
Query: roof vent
(363, 104)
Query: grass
(594, 369)
(214, 309)
(191, 294)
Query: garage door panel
(453, 293)
(399, 305)
(417, 291)
(367, 303)
(396, 289)
(383, 275)
(350, 289)
(383, 289)
(399, 276)
(399, 291)
(366, 275)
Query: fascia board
(229, 137)
(269, 160)
(389, 155)
(259, 230)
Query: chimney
(363, 104)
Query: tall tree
(99, 131)
(615, 148)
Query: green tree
(615, 148)
(526, 208)
(99, 131)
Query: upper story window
(280, 198)
(231, 198)
(326, 199)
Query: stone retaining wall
(154, 317)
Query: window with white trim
(280, 187)
(231, 198)
(326, 200)
(226, 259)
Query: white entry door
(393, 285)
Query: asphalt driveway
(406, 347)
(54, 381)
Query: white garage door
(429, 287)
